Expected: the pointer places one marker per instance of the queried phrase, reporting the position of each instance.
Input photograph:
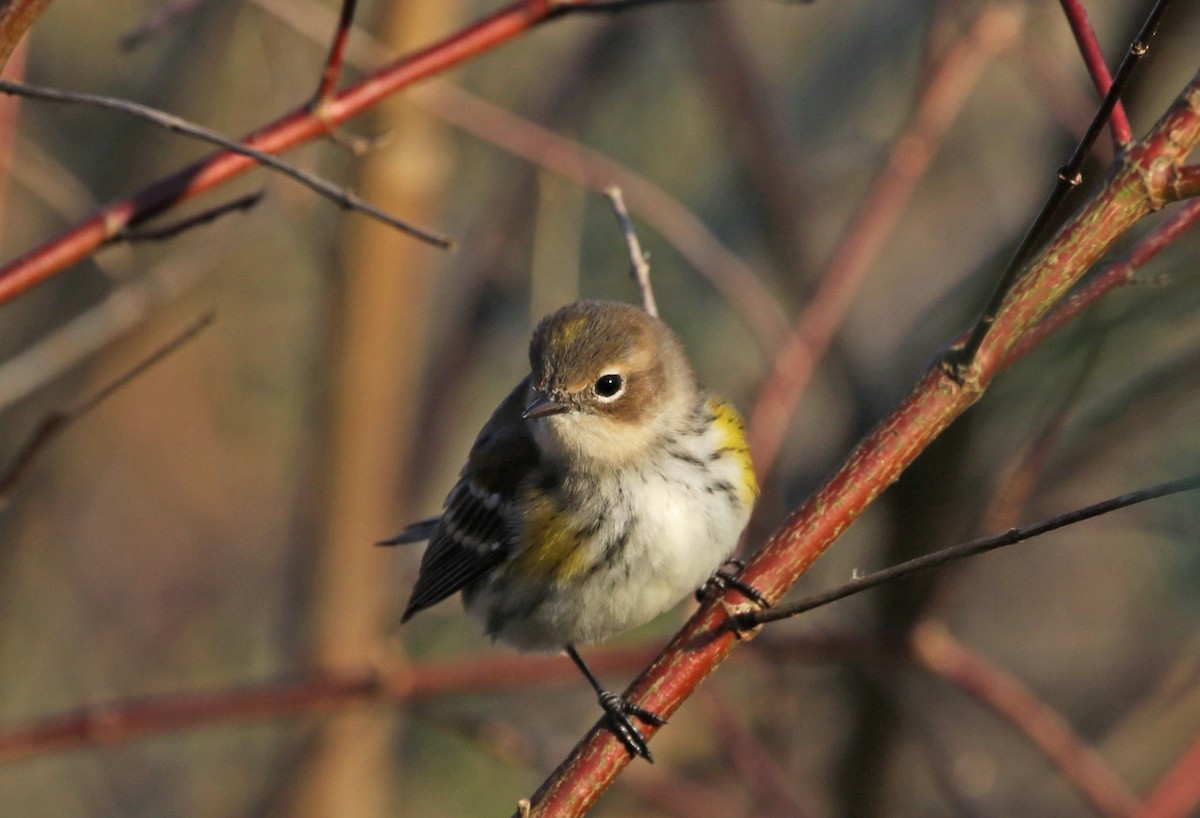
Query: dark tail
(416, 532)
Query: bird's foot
(726, 577)
(619, 712)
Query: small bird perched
(605, 488)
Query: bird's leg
(727, 576)
(619, 711)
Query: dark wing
(473, 536)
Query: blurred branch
(733, 278)
(170, 231)
(16, 17)
(1093, 58)
(295, 128)
(638, 268)
(1021, 474)
(733, 79)
(995, 29)
(935, 649)
(56, 423)
(753, 763)
(752, 619)
(131, 720)
(339, 196)
(1067, 178)
(1178, 792)
(82, 336)
(1130, 193)
(158, 21)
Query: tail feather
(415, 532)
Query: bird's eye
(609, 386)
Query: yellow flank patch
(731, 435)
(552, 542)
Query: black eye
(609, 386)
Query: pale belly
(648, 554)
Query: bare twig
(732, 277)
(294, 128)
(958, 360)
(639, 268)
(336, 57)
(1093, 57)
(751, 619)
(58, 422)
(934, 648)
(339, 196)
(170, 231)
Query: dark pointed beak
(543, 405)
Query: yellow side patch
(552, 542)
(731, 435)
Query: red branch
(1093, 57)
(1178, 793)
(1133, 189)
(941, 653)
(295, 128)
(1117, 274)
(127, 721)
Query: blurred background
(210, 527)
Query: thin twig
(935, 648)
(170, 231)
(340, 196)
(58, 422)
(960, 359)
(639, 268)
(336, 57)
(1093, 58)
(296, 127)
(751, 619)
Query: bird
(605, 488)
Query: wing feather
(474, 534)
